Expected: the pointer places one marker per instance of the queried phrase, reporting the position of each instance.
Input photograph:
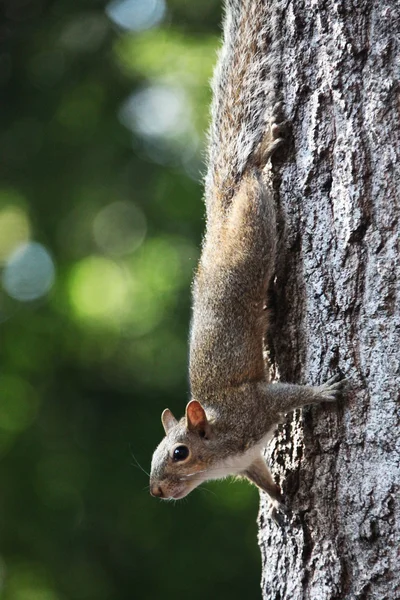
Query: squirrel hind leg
(279, 514)
(259, 474)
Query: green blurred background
(103, 113)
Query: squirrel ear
(196, 418)
(168, 420)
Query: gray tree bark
(338, 301)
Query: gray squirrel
(234, 409)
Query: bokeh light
(98, 289)
(160, 115)
(136, 15)
(157, 111)
(85, 33)
(29, 581)
(14, 230)
(29, 272)
(159, 271)
(119, 228)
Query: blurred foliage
(102, 137)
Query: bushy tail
(243, 89)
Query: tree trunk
(337, 301)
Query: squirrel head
(183, 459)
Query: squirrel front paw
(332, 389)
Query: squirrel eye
(180, 453)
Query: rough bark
(338, 301)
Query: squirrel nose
(156, 491)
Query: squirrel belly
(234, 410)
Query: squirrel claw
(277, 130)
(273, 146)
(277, 110)
(279, 513)
(332, 388)
(274, 137)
